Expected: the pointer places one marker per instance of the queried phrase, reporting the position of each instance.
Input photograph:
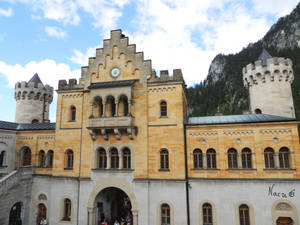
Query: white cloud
(82, 58)
(6, 12)
(276, 7)
(55, 32)
(49, 71)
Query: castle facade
(124, 148)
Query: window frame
(211, 158)
(246, 157)
(269, 158)
(114, 158)
(207, 214)
(165, 214)
(198, 158)
(164, 160)
(163, 108)
(102, 158)
(232, 158)
(73, 113)
(67, 210)
(244, 214)
(69, 160)
(126, 158)
(284, 158)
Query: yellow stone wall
(256, 136)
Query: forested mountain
(223, 86)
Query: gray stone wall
(7, 144)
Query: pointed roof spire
(36, 80)
(264, 56)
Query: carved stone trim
(238, 132)
(5, 137)
(161, 89)
(199, 134)
(276, 131)
(25, 138)
(46, 137)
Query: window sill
(112, 169)
(163, 117)
(70, 122)
(280, 169)
(164, 170)
(243, 169)
(68, 168)
(205, 169)
(66, 219)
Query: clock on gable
(115, 72)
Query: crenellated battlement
(165, 77)
(71, 85)
(33, 91)
(270, 69)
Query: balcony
(110, 122)
(117, 125)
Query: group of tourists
(115, 221)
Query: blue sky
(55, 37)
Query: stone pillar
(239, 160)
(117, 108)
(129, 107)
(204, 161)
(104, 109)
(276, 160)
(92, 110)
(108, 160)
(91, 215)
(121, 160)
(135, 217)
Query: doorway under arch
(15, 214)
(42, 213)
(284, 221)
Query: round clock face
(115, 72)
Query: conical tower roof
(36, 80)
(264, 56)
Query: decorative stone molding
(283, 207)
(25, 138)
(200, 134)
(276, 131)
(72, 95)
(6, 137)
(45, 137)
(162, 89)
(238, 132)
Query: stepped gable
(116, 53)
(268, 68)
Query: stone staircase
(13, 178)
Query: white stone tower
(33, 101)
(269, 82)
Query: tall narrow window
(26, 157)
(207, 214)
(244, 215)
(42, 159)
(164, 159)
(211, 159)
(198, 162)
(73, 113)
(126, 158)
(232, 158)
(114, 158)
(165, 214)
(269, 158)
(69, 159)
(2, 158)
(50, 156)
(102, 159)
(67, 210)
(284, 161)
(246, 158)
(163, 109)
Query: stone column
(276, 160)
(129, 108)
(104, 109)
(135, 217)
(204, 158)
(120, 160)
(92, 110)
(116, 108)
(91, 215)
(239, 160)
(108, 160)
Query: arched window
(211, 159)
(69, 159)
(98, 106)
(163, 109)
(232, 158)
(2, 158)
(246, 158)
(207, 214)
(284, 155)
(35, 121)
(123, 106)
(244, 215)
(73, 113)
(257, 111)
(164, 159)
(67, 210)
(269, 158)
(50, 156)
(26, 156)
(126, 158)
(110, 108)
(198, 162)
(42, 213)
(114, 158)
(42, 158)
(165, 214)
(102, 159)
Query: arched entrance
(113, 204)
(284, 221)
(42, 213)
(120, 185)
(15, 214)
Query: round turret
(269, 82)
(33, 101)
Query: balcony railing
(110, 122)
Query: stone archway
(15, 214)
(106, 183)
